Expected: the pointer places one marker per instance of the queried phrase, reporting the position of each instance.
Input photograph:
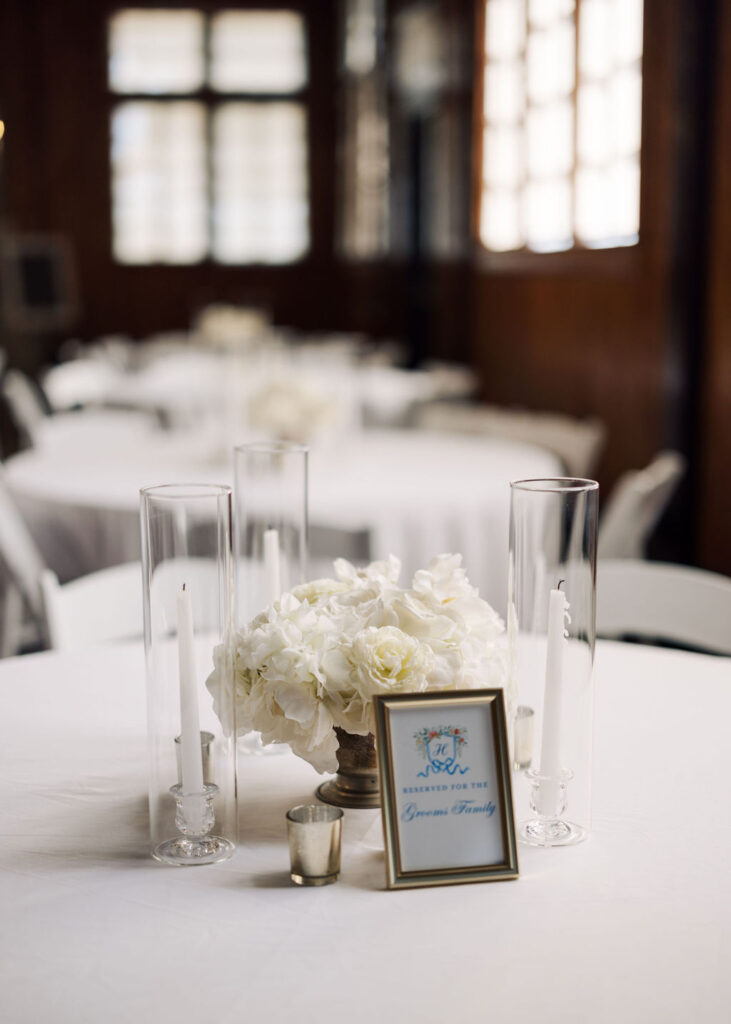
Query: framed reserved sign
(446, 796)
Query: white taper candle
(553, 700)
(191, 758)
(272, 568)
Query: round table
(631, 926)
(416, 494)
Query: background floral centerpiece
(314, 660)
(292, 408)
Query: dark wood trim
(615, 261)
(714, 432)
(611, 260)
(477, 118)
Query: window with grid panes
(364, 229)
(209, 136)
(561, 124)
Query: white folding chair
(21, 565)
(578, 443)
(25, 404)
(655, 601)
(38, 611)
(635, 505)
(116, 350)
(37, 424)
(106, 606)
(79, 382)
(94, 609)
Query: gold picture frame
(446, 792)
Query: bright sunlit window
(365, 155)
(208, 136)
(561, 124)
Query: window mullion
(523, 122)
(575, 101)
(208, 120)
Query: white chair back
(656, 601)
(116, 350)
(94, 609)
(578, 443)
(635, 506)
(326, 543)
(24, 404)
(107, 605)
(21, 565)
(79, 382)
(20, 555)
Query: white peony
(316, 658)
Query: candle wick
(559, 584)
(183, 586)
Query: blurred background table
(186, 382)
(372, 493)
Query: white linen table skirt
(632, 926)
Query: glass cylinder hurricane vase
(270, 535)
(270, 493)
(187, 565)
(551, 635)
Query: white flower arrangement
(292, 408)
(316, 658)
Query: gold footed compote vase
(356, 783)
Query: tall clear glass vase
(270, 493)
(188, 611)
(270, 536)
(551, 635)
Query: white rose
(318, 591)
(288, 712)
(381, 573)
(387, 660)
(221, 682)
(416, 618)
(317, 657)
(444, 587)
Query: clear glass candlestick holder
(195, 818)
(187, 559)
(551, 636)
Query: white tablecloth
(417, 493)
(632, 926)
(186, 383)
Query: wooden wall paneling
(714, 547)
(53, 76)
(55, 100)
(585, 333)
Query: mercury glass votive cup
(314, 833)
(523, 737)
(187, 562)
(551, 634)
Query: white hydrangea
(316, 658)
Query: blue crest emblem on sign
(441, 746)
